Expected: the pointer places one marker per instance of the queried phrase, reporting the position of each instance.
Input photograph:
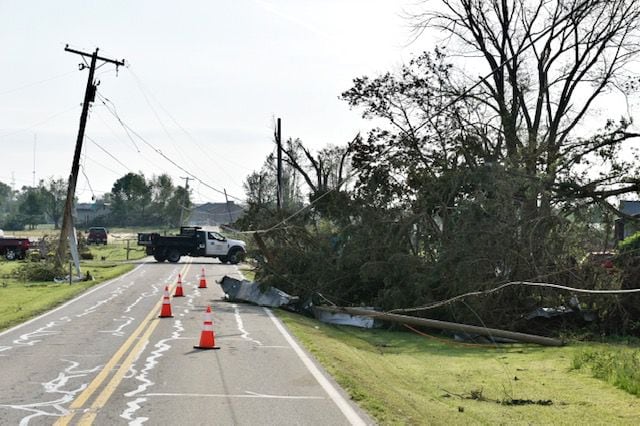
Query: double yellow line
(143, 332)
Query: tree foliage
(470, 182)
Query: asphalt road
(106, 358)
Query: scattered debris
(342, 318)
(526, 402)
(249, 291)
(477, 395)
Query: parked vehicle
(13, 248)
(193, 241)
(97, 235)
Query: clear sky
(205, 81)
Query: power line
(158, 151)
(35, 83)
(39, 122)
(108, 153)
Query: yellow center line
(79, 402)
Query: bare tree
(324, 171)
(550, 61)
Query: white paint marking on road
(239, 323)
(337, 398)
(153, 293)
(118, 291)
(118, 331)
(30, 339)
(81, 296)
(143, 376)
(223, 395)
(134, 406)
(54, 408)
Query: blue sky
(204, 83)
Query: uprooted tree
(474, 181)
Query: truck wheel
(173, 256)
(10, 254)
(236, 255)
(159, 258)
(223, 259)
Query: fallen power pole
(444, 325)
(89, 96)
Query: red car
(97, 235)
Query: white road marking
(54, 408)
(239, 323)
(150, 363)
(223, 395)
(30, 339)
(342, 404)
(118, 331)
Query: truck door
(217, 245)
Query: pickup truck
(13, 248)
(193, 241)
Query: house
(86, 213)
(212, 214)
(625, 227)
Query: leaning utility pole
(89, 96)
(279, 177)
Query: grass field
(405, 378)
(21, 300)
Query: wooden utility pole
(89, 96)
(186, 189)
(279, 178)
(228, 209)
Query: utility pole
(89, 96)
(279, 178)
(186, 196)
(228, 209)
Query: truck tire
(11, 254)
(159, 257)
(223, 259)
(173, 256)
(236, 255)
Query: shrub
(40, 271)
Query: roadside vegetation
(478, 173)
(27, 287)
(619, 366)
(406, 378)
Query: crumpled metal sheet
(343, 318)
(249, 291)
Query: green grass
(20, 301)
(617, 366)
(404, 378)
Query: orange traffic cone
(179, 292)
(207, 337)
(166, 305)
(203, 280)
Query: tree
(550, 62)
(323, 171)
(32, 205)
(131, 196)
(162, 190)
(54, 194)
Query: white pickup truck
(193, 241)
